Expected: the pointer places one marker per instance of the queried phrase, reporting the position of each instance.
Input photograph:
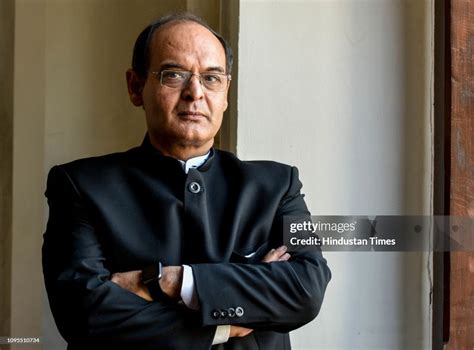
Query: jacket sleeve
(90, 310)
(278, 296)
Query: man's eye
(170, 75)
(212, 78)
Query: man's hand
(131, 281)
(278, 254)
(236, 331)
(170, 282)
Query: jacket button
(224, 313)
(239, 311)
(216, 314)
(231, 312)
(194, 187)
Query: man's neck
(182, 152)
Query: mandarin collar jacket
(124, 211)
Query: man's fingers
(276, 254)
(130, 281)
(143, 293)
(116, 278)
(284, 257)
(236, 331)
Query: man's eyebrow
(215, 69)
(179, 66)
(171, 65)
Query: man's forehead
(185, 37)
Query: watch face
(151, 276)
(151, 273)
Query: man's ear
(135, 87)
(226, 98)
(226, 104)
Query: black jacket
(124, 211)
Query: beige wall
(342, 89)
(28, 158)
(88, 49)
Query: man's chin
(193, 140)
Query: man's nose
(194, 89)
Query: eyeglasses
(179, 79)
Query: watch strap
(151, 276)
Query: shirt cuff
(188, 292)
(222, 334)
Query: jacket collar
(151, 151)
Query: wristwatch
(151, 276)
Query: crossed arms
(171, 283)
(91, 306)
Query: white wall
(342, 90)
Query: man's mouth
(191, 115)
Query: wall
(342, 89)
(28, 157)
(88, 49)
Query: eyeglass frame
(191, 74)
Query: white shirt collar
(194, 162)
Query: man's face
(191, 116)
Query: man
(173, 244)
